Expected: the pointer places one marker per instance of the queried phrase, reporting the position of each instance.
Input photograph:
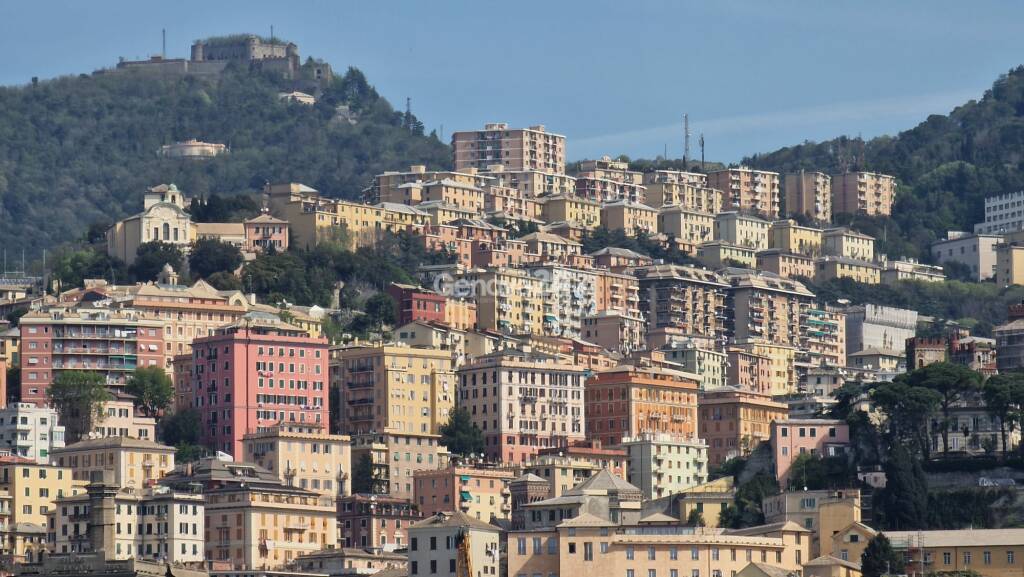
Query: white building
(878, 327)
(708, 364)
(661, 464)
(1003, 214)
(435, 541)
(977, 251)
(30, 431)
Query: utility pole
(686, 140)
(163, 45)
(701, 140)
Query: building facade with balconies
(480, 492)
(747, 190)
(515, 149)
(810, 194)
(683, 297)
(867, 193)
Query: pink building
(795, 437)
(265, 231)
(253, 374)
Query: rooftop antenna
(701, 141)
(163, 45)
(686, 139)
(271, 33)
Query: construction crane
(463, 561)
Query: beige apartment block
(793, 238)
(532, 183)
(508, 300)
(33, 487)
(615, 330)
(989, 552)
(747, 190)
(573, 210)
(683, 297)
(607, 180)
(629, 216)
(742, 230)
(786, 264)
(809, 194)
(825, 339)
(847, 243)
(823, 512)
(662, 464)
(303, 455)
(391, 388)
(896, 271)
(977, 251)
(453, 543)
(480, 492)
(395, 458)
(516, 149)
(767, 308)
(733, 422)
(689, 226)
(781, 366)
(120, 419)
(123, 461)
(831, 267)
(1009, 264)
(439, 213)
(863, 193)
(688, 190)
(708, 364)
(719, 254)
(390, 186)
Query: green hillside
(80, 150)
(945, 166)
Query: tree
(903, 503)
(952, 382)
(695, 519)
(461, 435)
(908, 409)
(210, 256)
(151, 258)
(1001, 393)
(362, 475)
(381, 309)
(880, 559)
(78, 397)
(224, 281)
(152, 389)
(181, 428)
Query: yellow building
(687, 190)
(767, 308)
(508, 300)
(1009, 264)
(747, 190)
(787, 235)
(607, 180)
(786, 264)
(132, 462)
(988, 552)
(782, 377)
(831, 267)
(441, 213)
(303, 455)
(847, 243)
(163, 218)
(516, 149)
(389, 388)
(823, 512)
(10, 346)
(810, 194)
(391, 186)
(742, 230)
(734, 421)
(33, 488)
(532, 183)
(571, 209)
(689, 226)
(849, 542)
(632, 217)
(863, 192)
(719, 254)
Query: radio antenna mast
(686, 140)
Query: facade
(776, 366)
(629, 216)
(1003, 214)
(523, 402)
(121, 461)
(810, 194)
(662, 464)
(747, 190)
(824, 342)
(733, 422)
(766, 308)
(685, 225)
(453, 544)
(823, 512)
(120, 419)
(687, 190)
(630, 400)
(843, 242)
(574, 210)
(815, 437)
(989, 552)
(895, 271)
(303, 455)
(719, 254)
(480, 493)
(976, 251)
(32, 487)
(792, 238)
(786, 265)
(708, 365)
(683, 297)
(376, 522)
(413, 303)
(1010, 340)
(742, 230)
(532, 183)
(265, 232)
(257, 373)
(163, 218)
(835, 267)
(392, 389)
(111, 342)
(878, 327)
(31, 432)
(863, 193)
(607, 180)
(1009, 264)
(515, 149)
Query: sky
(614, 77)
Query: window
(650, 553)
(1009, 557)
(414, 543)
(588, 551)
(947, 558)
(629, 552)
(433, 565)
(695, 554)
(967, 557)
(572, 548)
(433, 546)
(673, 553)
(415, 567)
(986, 557)
(652, 573)
(629, 573)
(521, 545)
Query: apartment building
(352, 560)
(822, 512)
(739, 229)
(618, 260)
(683, 297)
(825, 336)
(844, 242)
(121, 461)
(523, 402)
(552, 247)
(629, 216)
(508, 300)
(977, 251)
(777, 366)
(110, 342)
(515, 149)
(686, 225)
(835, 267)
(867, 193)
(481, 493)
(790, 237)
(153, 523)
(303, 455)
(766, 308)
(747, 190)
(607, 180)
(815, 437)
(413, 303)
(392, 389)
(687, 190)
(886, 363)
(747, 370)
(375, 522)
(257, 373)
(615, 331)
(709, 365)
(878, 327)
(453, 543)
(562, 468)
(394, 459)
(394, 186)
(786, 265)
(573, 210)
(1009, 264)
(510, 203)
(896, 271)
(810, 194)
(662, 464)
(989, 552)
(532, 183)
(733, 422)
(630, 400)
(31, 432)
(263, 232)
(32, 487)
(720, 254)
(1009, 338)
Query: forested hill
(79, 150)
(946, 165)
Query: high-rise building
(684, 297)
(687, 190)
(516, 149)
(809, 194)
(747, 190)
(607, 180)
(765, 307)
(867, 193)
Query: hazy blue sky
(615, 77)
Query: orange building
(629, 400)
(733, 422)
(478, 492)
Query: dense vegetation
(81, 150)
(945, 166)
